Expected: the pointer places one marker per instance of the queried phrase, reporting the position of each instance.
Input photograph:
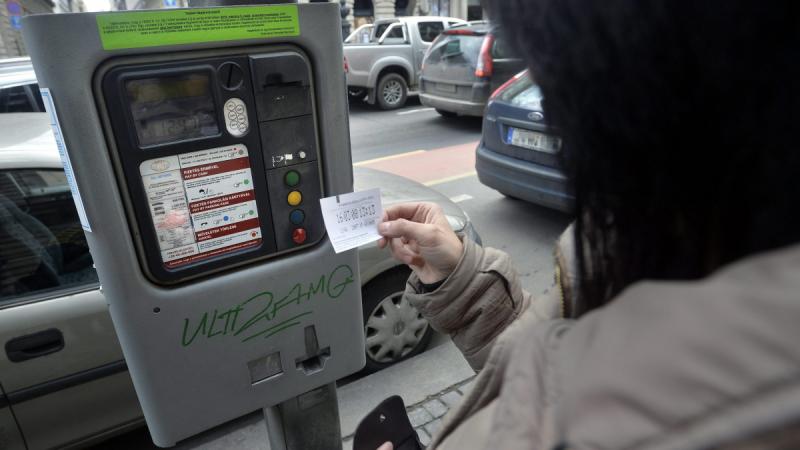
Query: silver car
(63, 379)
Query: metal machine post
(288, 424)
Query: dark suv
(519, 154)
(464, 65)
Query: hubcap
(394, 329)
(392, 92)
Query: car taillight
(485, 66)
(508, 83)
(346, 65)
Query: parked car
(519, 154)
(19, 91)
(383, 59)
(62, 371)
(463, 66)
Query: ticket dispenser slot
(282, 86)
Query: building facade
(122, 5)
(11, 11)
(368, 11)
(69, 6)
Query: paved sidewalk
(430, 384)
(427, 416)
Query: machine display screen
(172, 109)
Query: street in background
(383, 60)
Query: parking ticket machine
(198, 143)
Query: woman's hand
(419, 235)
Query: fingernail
(384, 227)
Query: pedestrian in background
(679, 127)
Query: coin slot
(265, 368)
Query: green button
(292, 178)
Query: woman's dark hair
(681, 128)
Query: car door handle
(34, 345)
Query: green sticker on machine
(188, 26)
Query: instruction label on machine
(138, 29)
(202, 204)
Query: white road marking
(448, 179)
(460, 198)
(385, 158)
(414, 111)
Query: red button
(299, 235)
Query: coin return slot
(315, 358)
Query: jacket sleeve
(478, 301)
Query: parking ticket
(352, 219)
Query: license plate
(444, 87)
(533, 140)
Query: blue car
(519, 154)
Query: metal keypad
(236, 117)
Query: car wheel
(392, 91)
(394, 330)
(356, 94)
(448, 114)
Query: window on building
(42, 245)
(401, 8)
(429, 31)
(474, 10)
(363, 8)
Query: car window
(42, 245)
(456, 49)
(429, 31)
(25, 98)
(501, 49)
(396, 33)
(381, 28)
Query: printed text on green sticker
(186, 26)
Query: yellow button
(294, 198)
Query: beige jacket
(711, 363)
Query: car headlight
(457, 223)
(464, 226)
